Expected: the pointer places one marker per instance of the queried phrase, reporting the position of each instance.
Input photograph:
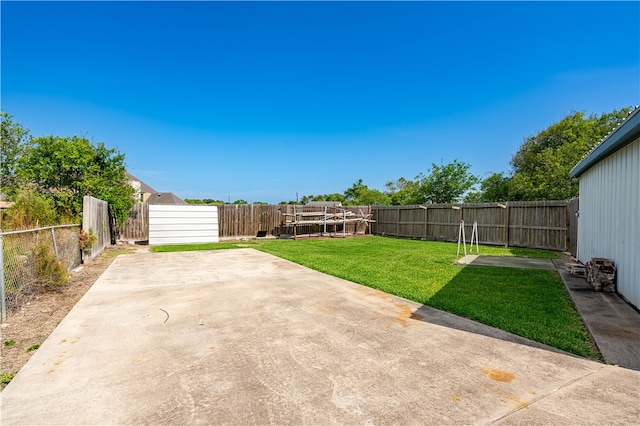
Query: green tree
(542, 164)
(68, 168)
(336, 197)
(360, 194)
(30, 209)
(496, 187)
(370, 197)
(13, 139)
(353, 192)
(403, 192)
(305, 199)
(207, 201)
(446, 183)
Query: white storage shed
(609, 216)
(173, 224)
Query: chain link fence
(21, 267)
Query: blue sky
(263, 100)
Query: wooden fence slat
(95, 218)
(137, 226)
(536, 224)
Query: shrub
(87, 239)
(29, 209)
(51, 273)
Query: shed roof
(621, 136)
(166, 198)
(324, 204)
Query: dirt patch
(30, 325)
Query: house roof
(143, 186)
(165, 198)
(622, 135)
(324, 204)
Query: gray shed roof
(324, 204)
(166, 198)
(621, 136)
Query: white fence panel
(183, 224)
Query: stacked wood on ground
(576, 268)
(601, 274)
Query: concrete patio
(243, 337)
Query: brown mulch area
(32, 323)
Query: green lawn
(531, 303)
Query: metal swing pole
(461, 237)
(474, 233)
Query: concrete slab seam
(543, 396)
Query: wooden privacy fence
(537, 224)
(534, 224)
(95, 217)
(246, 220)
(137, 226)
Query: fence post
(426, 223)
(253, 224)
(506, 225)
(3, 315)
(55, 245)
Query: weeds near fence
(51, 273)
(19, 270)
(37, 260)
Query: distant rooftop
(144, 188)
(324, 204)
(165, 198)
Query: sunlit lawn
(531, 303)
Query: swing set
(462, 239)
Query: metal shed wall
(171, 224)
(609, 222)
